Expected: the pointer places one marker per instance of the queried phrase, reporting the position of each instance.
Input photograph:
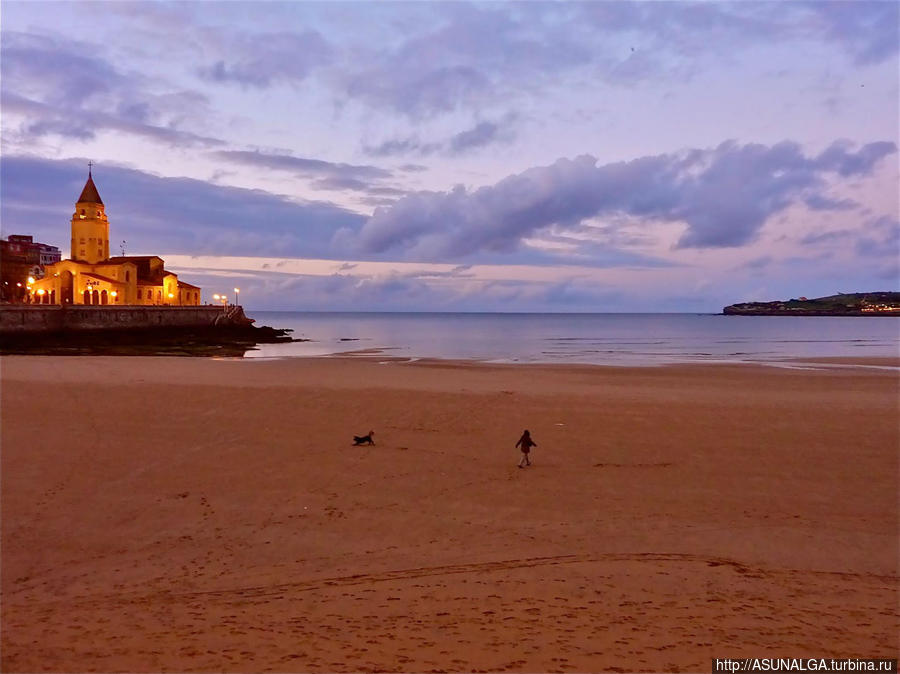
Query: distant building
(91, 276)
(20, 258)
(36, 253)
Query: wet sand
(175, 514)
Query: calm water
(617, 339)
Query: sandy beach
(178, 514)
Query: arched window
(139, 293)
(104, 297)
(87, 296)
(127, 276)
(95, 297)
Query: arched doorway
(87, 296)
(66, 293)
(95, 297)
(104, 298)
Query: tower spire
(89, 194)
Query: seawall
(23, 318)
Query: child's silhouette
(526, 443)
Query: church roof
(119, 259)
(89, 194)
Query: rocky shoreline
(221, 340)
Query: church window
(100, 252)
(82, 252)
(127, 276)
(139, 293)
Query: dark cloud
(868, 30)
(483, 134)
(758, 263)
(410, 145)
(323, 175)
(42, 120)
(820, 202)
(723, 195)
(303, 166)
(264, 59)
(174, 215)
(66, 74)
(826, 237)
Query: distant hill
(850, 304)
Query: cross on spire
(90, 164)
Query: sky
(503, 156)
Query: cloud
(323, 175)
(473, 57)
(303, 166)
(66, 88)
(402, 147)
(268, 58)
(482, 134)
(167, 214)
(468, 57)
(881, 239)
(820, 202)
(43, 120)
(414, 292)
(866, 30)
(723, 196)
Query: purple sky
(601, 156)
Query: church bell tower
(90, 228)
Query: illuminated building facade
(91, 276)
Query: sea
(600, 339)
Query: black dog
(364, 439)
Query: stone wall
(18, 318)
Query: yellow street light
(171, 295)
(41, 291)
(30, 280)
(237, 291)
(114, 293)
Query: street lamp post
(237, 291)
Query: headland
(843, 304)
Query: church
(91, 276)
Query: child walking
(526, 443)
